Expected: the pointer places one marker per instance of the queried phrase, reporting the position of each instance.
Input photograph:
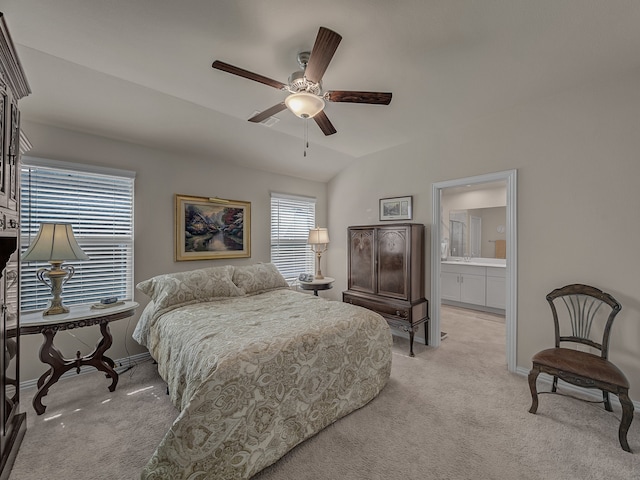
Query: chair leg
(627, 418)
(533, 377)
(607, 403)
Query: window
(291, 219)
(99, 205)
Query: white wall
(160, 175)
(577, 156)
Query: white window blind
(100, 209)
(291, 219)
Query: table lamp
(318, 239)
(55, 244)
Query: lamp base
(319, 253)
(55, 278)
(55, 310)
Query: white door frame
(511, 310)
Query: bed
(253, 367)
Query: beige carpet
(450, 413)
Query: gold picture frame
(210, 228)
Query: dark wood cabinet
(13, 86)
(386, 274)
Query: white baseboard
(591, 393)
(122, 364)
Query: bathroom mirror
(473, 232)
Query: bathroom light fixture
(304, 105)
(55, 243)
(318, 239)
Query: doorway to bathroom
(479, 250)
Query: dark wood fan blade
(269, 112)
(225, 67)
(324, 123)
(326, 44)
(378, 98)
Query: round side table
(318, 284)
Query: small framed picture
(396, 208)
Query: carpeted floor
(451, 413)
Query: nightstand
(318, 284)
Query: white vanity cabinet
(449, 285)
(496, 288)
(473, 285)
(463, 283)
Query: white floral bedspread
(254, 376)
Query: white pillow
(190, 287)
(258, 278)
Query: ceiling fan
(306, 99)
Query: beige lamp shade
(54, 242)
(318, 236)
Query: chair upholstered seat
(582, 364)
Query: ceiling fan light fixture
(304, 105)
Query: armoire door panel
(362, 265)
(393, 249)
(11, 313)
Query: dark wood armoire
(386, 274)
(13, 86)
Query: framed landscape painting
(211, 228)
(397, 208)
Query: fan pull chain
(306, 136)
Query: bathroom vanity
(478, 283)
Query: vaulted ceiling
(140, 71)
